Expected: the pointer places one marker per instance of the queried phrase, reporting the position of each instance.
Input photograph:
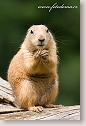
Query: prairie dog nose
(41, 40)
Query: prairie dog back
(32, 72)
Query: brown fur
(32, 72)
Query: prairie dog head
(38, 37)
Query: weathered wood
(9, 112)
(6, 93)
(64, 113)
(7, 108)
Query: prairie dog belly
(44, 87)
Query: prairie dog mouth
(40, 45)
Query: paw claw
(44, 53)
(41, 53)
(37, 53)
(36, 108)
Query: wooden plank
(7, 108)
(5, 89)
(64, 113)
(5, 83)
(5, 96)
(6, 93)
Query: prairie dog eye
(47, 31)
(31, 31)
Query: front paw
(44, 54)
(37, 53)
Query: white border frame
(82, 122)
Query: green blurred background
(16, 16)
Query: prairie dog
(32, 72)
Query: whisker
(62, 41)
(59, 30)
